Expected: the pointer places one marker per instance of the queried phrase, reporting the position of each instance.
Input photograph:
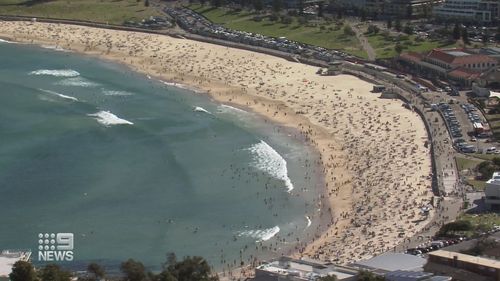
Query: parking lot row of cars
(197, 24)
(451, 120)
(433, 246)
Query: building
(286, 268)
(389, 262)
(9, 257)
(483, 11)
(459, 65)
(492, 192)
(411, 8)
(463, 267)
(404, 275)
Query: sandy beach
(376, 167)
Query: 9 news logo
(55, 246)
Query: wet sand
(372, 154)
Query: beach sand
(376, 167)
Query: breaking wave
(59, 95)
(266, 159)
(77, 82)
(227, 108)
(56, 72)
(201, 109)
(116, 93)
(107, 119)
(260, 234)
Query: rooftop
(458, 56)
(457, 53)
(495, 179)
(467, 258)
(8, 258)
(393, 262)
(305, 269)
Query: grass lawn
(477, 184)
(465, 163)
(329, 36)
(489, 219)
(384, 47)
(104, 11)
(494, 121)
(485, 156)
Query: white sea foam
(308, 221)
(227, 108)
(116, 93)
(77, 82)
(59, 95)
(260, 234)
(201, 109)
(107, 119)
(56, 72)
(269, 160)
(55, 48)
(181, 86)
(6, 41)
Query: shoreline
(341, 187)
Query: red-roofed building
(456, 64)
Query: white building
(492, 192)
(290, 269)
(468, 10)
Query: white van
(491, 150)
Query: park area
(327, 34)
(324, 32)
(111, 12)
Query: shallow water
(137, 169)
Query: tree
(363, 14)
(465, 35)
(348, 30)
(133, 270)
(22, 271)
(373, 29)
(96, 271)
(456, 32)
(277, 5)
(408, 29)
(301, 6)
(328, 278)
(398, 48)
(202, 2)
(397, 25)
(286, 19)
(369, 276)
(409, 11)
(389, 23)
(455, 226)
(189, 269)
(320, 9)
(146, 3)
(257, 5)
(53, 272)
(486, 169)
(485, 38)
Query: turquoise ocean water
(136, 168)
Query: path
(364, 42)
